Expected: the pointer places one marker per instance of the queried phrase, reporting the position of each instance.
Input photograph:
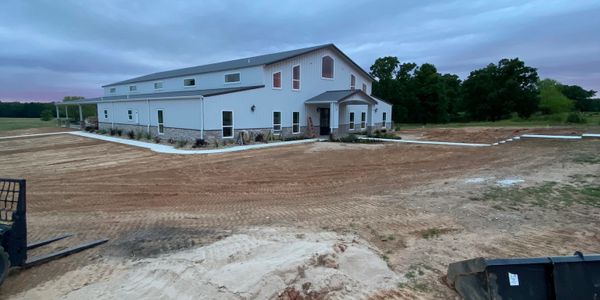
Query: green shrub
(171, 141)
(147, 135)
(139, 135)
(181, 144)
(131, 134)
(157, 139)
(46, 115)
(119, 132)
(113, 131)
(575, 118)
(101, 131)
(199, 143)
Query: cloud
(49, 49)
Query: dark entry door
(324, 121)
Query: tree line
(421, 94)
(45, 111)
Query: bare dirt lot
(417, 207)
(480, 134)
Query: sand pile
(262, 263)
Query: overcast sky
(49, 49)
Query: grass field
(24, 123)
(592, 120)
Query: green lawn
(24, 123)
(592, 120)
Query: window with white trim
(277, 80)
(158, 85)
(295, 122)
(363, 120)
(106, 113)
(276, 122)
(352, 82)
(133, 88)
(364, 87)
(112, 90)
(327, 67)
(189, 82)
(227, 124)
(130, 115)
(351, 123)
(383, 118)
(161, 121)
(296, 78)
(232, 78)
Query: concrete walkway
(172, 150)
(426, 142)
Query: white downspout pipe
(202, 116)
(148, 103)
(112, 115)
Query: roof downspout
(202, 116)
(148, 103)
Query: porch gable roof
(340, 96)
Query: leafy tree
(451, 91)
(552, 99)
(46, 115)
(430, 95)
(583, 98)
(494, 92)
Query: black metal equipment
(13, 231)
(562, 277)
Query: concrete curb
(171, 150)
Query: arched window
(327, 67)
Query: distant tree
(494, 92)
(583, 98)
(552, 99)
(46, 115)
(429, 92)
(451, 91)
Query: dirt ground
(480, 134)
(419, 207)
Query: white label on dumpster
(513, 279)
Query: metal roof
(175, 94)
(337, 96)
(266, 59)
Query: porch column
(370, 118)
(334, 117)
(57, 115)
(80, 116)
(67, 123)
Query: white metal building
(286, 93)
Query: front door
(324, 122)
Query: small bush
(216, 143)
(101, 131)
(576, 118)
(139, 135)
(131, 134)
(46, 115)
(157, 139)
(181, 144)
(199, 143)
(260, 137)
(113, 131)
(147, 135)
(171, 141)
(119, 132)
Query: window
(276, 122)
(158, 85)
(277, 80)
(112, 90)
(232, 78)
(227, 124)
(133, 88)
(351, 124)
(363, 120)
(364, 87)
(296, 77)
(189, 82)
(352, 82)
(130, 115)
(383, 118)
(327, 67)
(295, 122)
(161, 122)
(106, 113)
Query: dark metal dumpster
(561, 277)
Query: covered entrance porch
(341, 112)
